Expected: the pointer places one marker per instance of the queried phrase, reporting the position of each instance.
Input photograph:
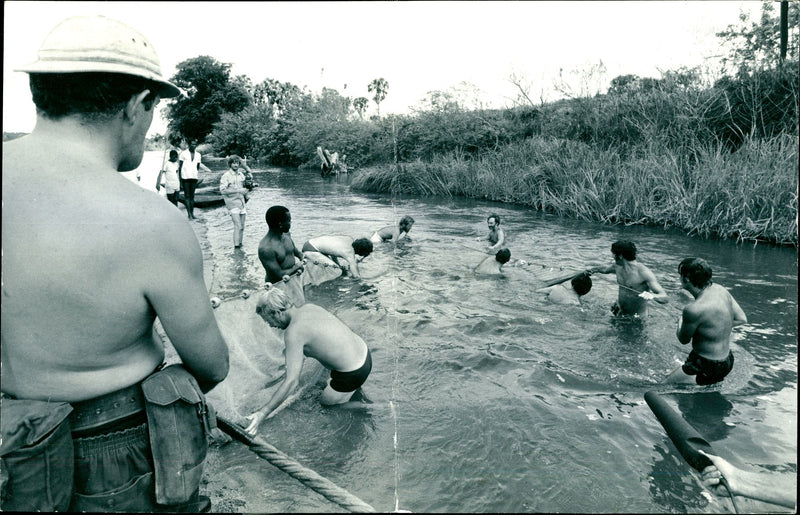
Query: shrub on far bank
(750, 194)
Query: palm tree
(381, 88)
(360, 105)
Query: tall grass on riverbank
(750, 194)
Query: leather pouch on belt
(179, 422)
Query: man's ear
(136, 103)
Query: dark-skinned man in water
(79, 348)
(707, 323)
(277, 251)
(637, 284)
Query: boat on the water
(205, 197)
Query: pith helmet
(99, 44)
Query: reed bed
(747, 195)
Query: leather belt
(107, 408)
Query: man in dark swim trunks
(312, 331)
(707, 323)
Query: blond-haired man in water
(393, 233)
(312, 331)
(707, 323)
(637, 284)
(78, 329)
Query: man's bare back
(325, 338)
(712, 316)
(89, 259)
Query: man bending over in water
(277, 251)
(341, 247)
(493, 265)
(310, 330)
(393, 233)
(707, 323)
(637, 284)
(560, 294)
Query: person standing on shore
(168, 178)
(637, 284)
(189, 167)
(231, 186)
(707, 323)
(78, 343)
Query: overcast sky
(416, 46)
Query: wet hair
(233, 158)
(503, 256)
(625, 249)
(406, 221)
(275, 216)
(582, 284)
(696, 270)
(173, 153)
(362, 247)
(274, 300)
(94, 96)
(495, 216)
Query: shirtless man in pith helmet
(90, 259)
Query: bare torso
(713, 312)
(276, 253)
(76, 321)
(632, 278)
(489, 266)
(326, 338)
(562, 294)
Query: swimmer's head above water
(503, 256)
(582, 284)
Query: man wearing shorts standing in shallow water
(707, 323)
(312, 331)
(637, 284)
(78, 339)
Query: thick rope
(308, 477)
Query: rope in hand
(308, 477)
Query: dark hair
(582, 284)
(95, 96)
(495, 216)
(275, 216)
(173, 153)
(625, 249)
(406, 220)
(362, 247)
(696, 270)
(503, 256)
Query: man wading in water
(707, 323)
(637, 284)
(90, 259)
